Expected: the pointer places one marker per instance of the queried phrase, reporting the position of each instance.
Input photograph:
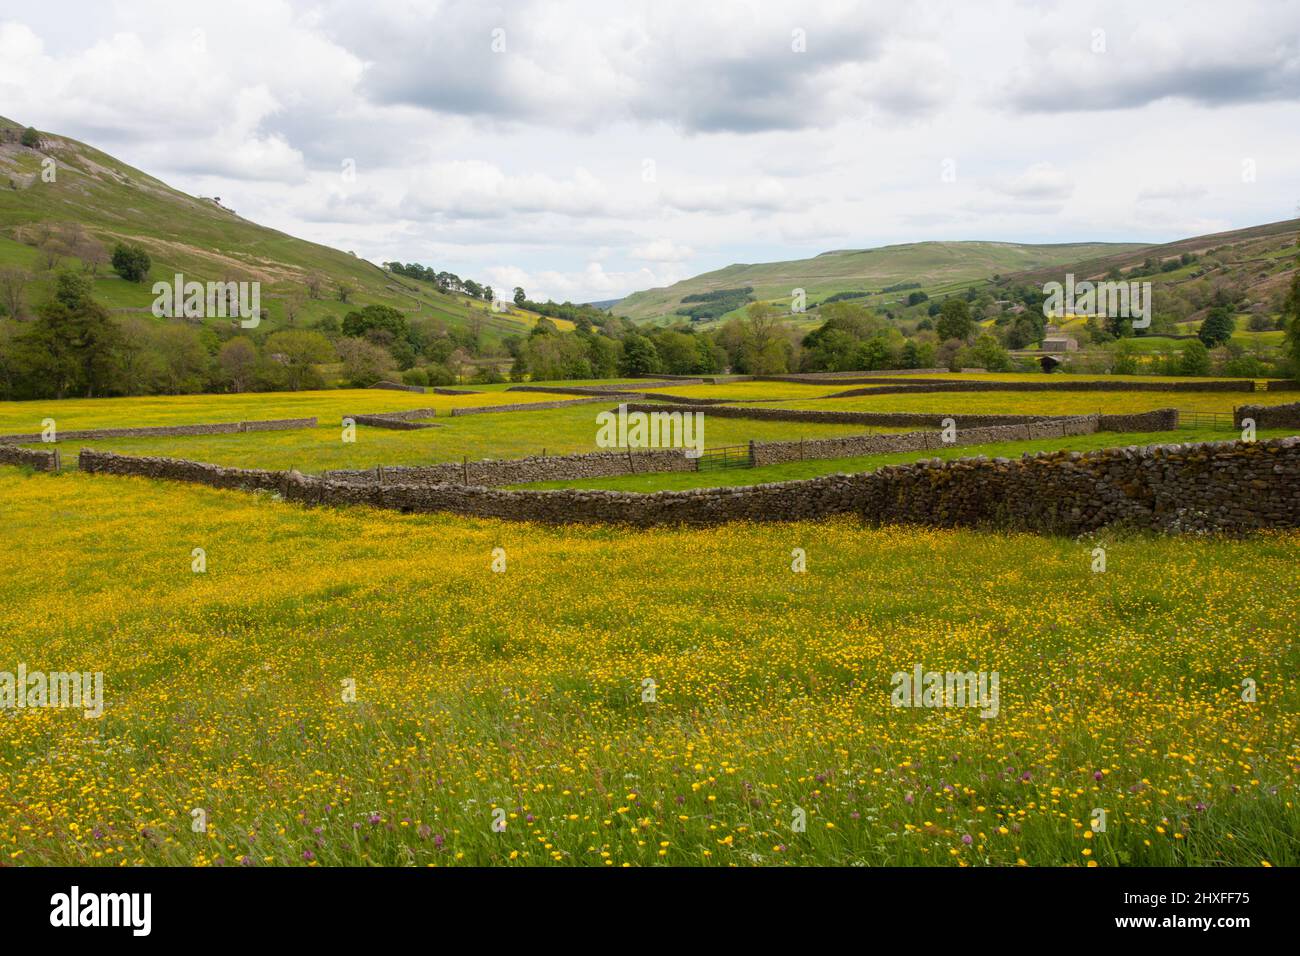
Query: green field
(1039, 403)
(329, 406)
(555, 431)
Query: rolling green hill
(95, 201)
(935, 267)
(1267, 245)
(1254, 266)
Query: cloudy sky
(587, 150)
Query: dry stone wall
(706, 379)
(518, 471)
(166, 431)
(611, 389)
(37, 458)
(1160, 420)
(1214, 486)
(1062, 384)
(395, 424)
(837, 417)
(1269, 416)
(852, 446)
(529, 406)
(823, 378)
(405, 420)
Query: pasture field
(329, 406)
(524, 691)
(1040, 403)
(557, 431)
(788, 392)
(554, 431)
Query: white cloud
(662, 250)
(1041, 181)
(1172, 192)
(473, 189)
(592, 284)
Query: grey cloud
(1209, 84)
(701, 70)
(1203, 53)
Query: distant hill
(606, 304)
(1265, 245)
(1250, 269)
(931, 267)
(96, 201)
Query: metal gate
(1217, 420)
(728, 456)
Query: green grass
(1039, 403)
(557, 431)
(328, 406)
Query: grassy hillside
(1270, 247)
(96, 199)
(936, 267)
(1247, 270)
